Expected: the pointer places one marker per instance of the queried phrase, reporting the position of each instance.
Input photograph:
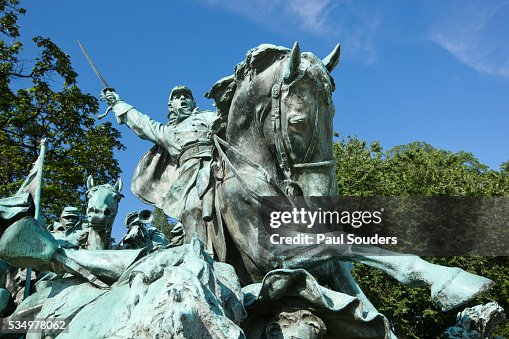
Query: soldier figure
(68, 228)
(175, 174)
(69, 221)
(140, 234)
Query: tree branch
(19, 75)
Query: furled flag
(33, 181)
(27, 200)
(30, 183)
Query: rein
(218, 142)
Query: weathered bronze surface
(271, 136)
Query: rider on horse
(175, 174)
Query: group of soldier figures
(71, 232)
(185, 145)
(140, 232)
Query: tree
(419, 169)
(162, 223)
(40, 99)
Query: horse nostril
(107, 211)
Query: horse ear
(90, 182)
(292, 69)
(332, 59)
(118, 185)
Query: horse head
(278, 110)
(102, 204)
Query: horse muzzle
(99, 223)
(314, 183)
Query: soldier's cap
(70, 211)
(131, 218)
(180, 89)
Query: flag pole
(38, 212)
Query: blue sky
(433, 71)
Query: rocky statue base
(476, 322)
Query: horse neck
(99, 240)
(251, 143)
(246, 125)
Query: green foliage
(161, 222)
(39, 98)
(419, 169)
(416, 169)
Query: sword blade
(99, 76)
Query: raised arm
(141, 124)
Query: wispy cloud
(333, 20)
(477, 35)
(312, 15)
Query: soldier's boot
(450, 286)
(458, 288)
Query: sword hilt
(108, 89)
(110, 108)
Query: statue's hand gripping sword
(101, 79)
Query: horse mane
(257, 60)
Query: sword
(99, 76)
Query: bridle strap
(282, 155)
(326, 163)
(282, 151)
